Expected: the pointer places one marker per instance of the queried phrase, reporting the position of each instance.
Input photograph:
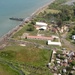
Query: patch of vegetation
(47, 33)
(57, 3)
(53, 11)
(31, 58)
(7, 54)
(70, 34)
(38, 42)
(73, 63)
(6, 70)
(34, 56)
(28, 28)
(51, 56)
(59, 52)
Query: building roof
(41, 24)
(54, 51)
(74, 67)
(40, 37)
(73, 37)
(55, 73)
(59, 74)
(65, 60)
(64, 70)
(49, 64)
(53, 43)
(58, 62)
(71, 54)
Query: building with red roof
(40, 37)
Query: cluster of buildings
(49, 39)
(63, 63)
(63, 29)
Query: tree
(30, 27)
(59, 23)
(73, 32)
(67, 12)
(33, 22)
(73, 63)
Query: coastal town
(43, 44)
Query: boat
(17, 19)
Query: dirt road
(66, 43)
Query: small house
(73, 37)
(64, 71)
(65, 60)
(59, 74)
(58, 62)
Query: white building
(73, 37)
(64, 70)
(41, 25)
(58, 62)
(59, 74)
(54, 43)
(65, 60)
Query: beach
(41, 8)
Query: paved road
(66, 43)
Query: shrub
(73, 63)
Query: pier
(16, 19)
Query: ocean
(19, 9)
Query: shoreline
(43, 8)
(5, 37)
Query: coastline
(41, 8)
(5, 37)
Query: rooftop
(41, 24)
(40, 37)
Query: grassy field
(47, 33)
(53, 11)
(18, 34)
(29, 56)
(38, 42)
(6, 70)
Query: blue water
(16, 8)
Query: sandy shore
(17, 28)
(41, 8)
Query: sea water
(18, 9)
